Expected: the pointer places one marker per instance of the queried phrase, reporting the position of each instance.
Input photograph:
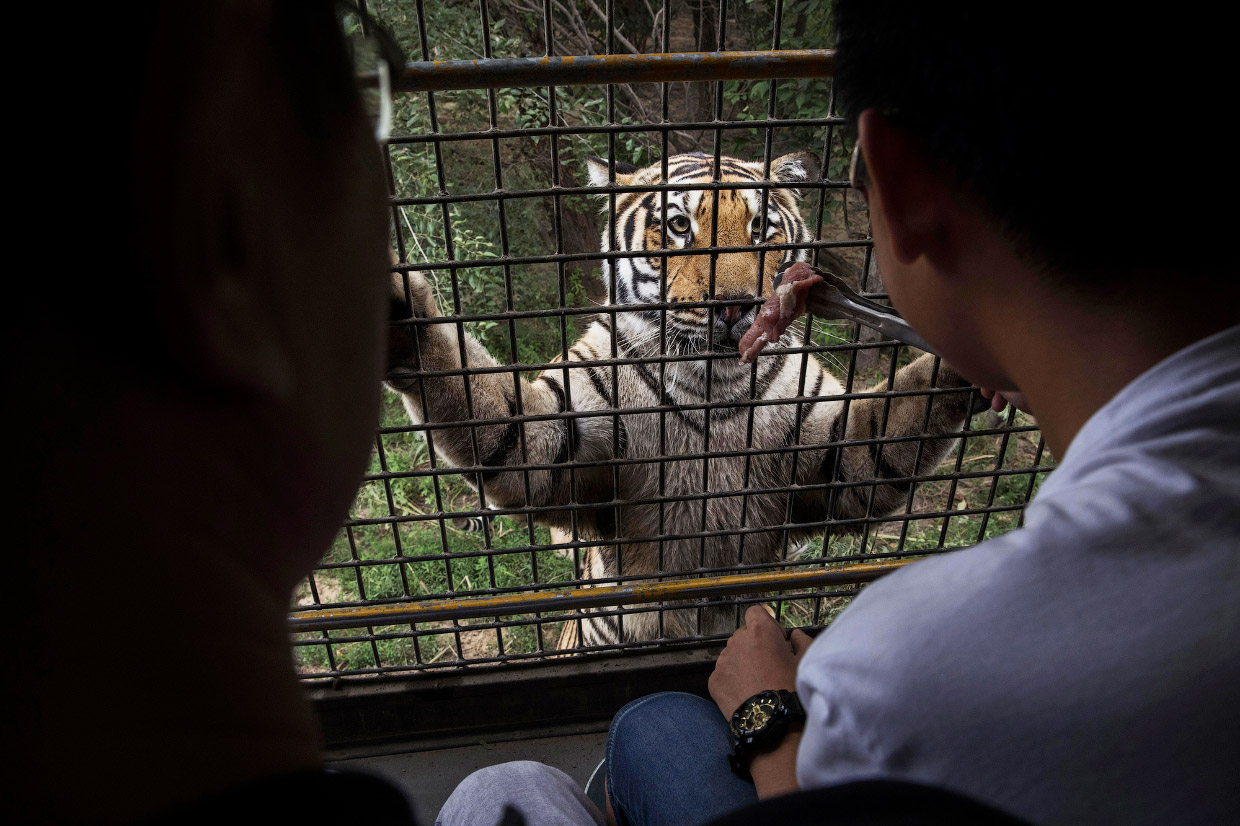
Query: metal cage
(408, 587)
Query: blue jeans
(667, 763)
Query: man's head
(1095, 144)
(198, 359)
(1021, 169)
(242, 251)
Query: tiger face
(697, 219)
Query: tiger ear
(599, 174)
(796, 167)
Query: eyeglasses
(373, 52)
(857, 177)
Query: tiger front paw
(411, 297)
(946, 377)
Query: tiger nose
(731, 314)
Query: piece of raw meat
(784, 306)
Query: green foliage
(806, 24)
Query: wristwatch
(760, 723)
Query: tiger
(676, 440)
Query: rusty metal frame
(559, 599)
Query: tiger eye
(678, 224)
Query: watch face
(756, 712)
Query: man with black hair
(1085, 668)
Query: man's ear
(597, 168)
(906, 191)
(796, 167)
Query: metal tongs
(833, 298)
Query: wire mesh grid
(488, 204)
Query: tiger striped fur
(677, 430)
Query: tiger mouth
(715, 335)
(727, 330)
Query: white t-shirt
(1086, 668)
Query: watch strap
(793, 710)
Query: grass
(419, 558)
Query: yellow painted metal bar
(400, 613)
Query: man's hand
(757, 658)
